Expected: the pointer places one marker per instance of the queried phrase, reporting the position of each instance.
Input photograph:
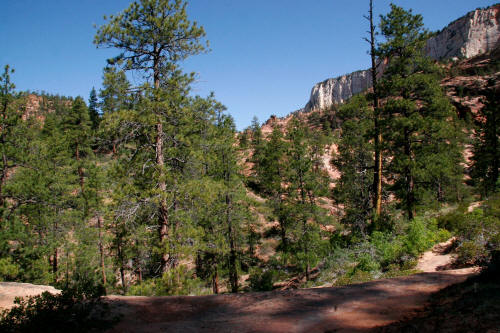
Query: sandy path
(11, 290)
(437, 259)
(344, 309)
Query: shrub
(262, 280)
(388, 248)
(357, 276)
(8, 269)
(177, 281)
(418, 237)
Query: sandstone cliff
(475, 33)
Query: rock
(338, 90)
(476, 33)
(10, 290)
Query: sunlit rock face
(475, 33)
(338, 90)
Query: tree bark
(410, 183)
(101, 249)
(80, 169)
(160, 163)
(54, 261)
(215, 280)
(233, 271)
(377, 176)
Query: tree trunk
(233, 271)
(80, 169)
(410, 184)
(4, 157)
(101, 249)
(215, 281)
(122, 267)
(304, 221)
(54, 261)
(282, 225)
(160, 163)
(377, 176)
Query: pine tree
(377, 136)
(272, 175)
(9, 119)
(354, 161)
(93, 111)
(420, 123)
(306, 185)
(486, 146)
(155, 35)
(77, 128)
(115, 90)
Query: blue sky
(266, 54)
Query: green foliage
(354, 161)
(420, 128)
(177, 281)
(93, 109)
(478, 234)
(486, 145)
(262, 279)
(9, 270)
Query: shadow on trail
(351, 308)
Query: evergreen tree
(377, 135)
(421, 129)
(354, 161)
(272, 175)
(115, 90)
(486, 146)
(154, 36)
(93, 111)
(9, 135)
(306, 185)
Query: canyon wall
(475, 33)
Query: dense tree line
(143, 189)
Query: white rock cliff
(475, 33)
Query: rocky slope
(476, 33)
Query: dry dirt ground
(11, 290)
(344, 309)
(353, 308)
(438, 258)
(359, 307)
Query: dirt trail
(437, 259)
(357, 307)
(11, 290)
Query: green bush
(477, 232)
(418, 238)
(177, 281)
(367, 263)
(471, 252)
(9, 271)
(388, 248)
(357, 276)
(262, 280)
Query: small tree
(354, 161)
(93, 109)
